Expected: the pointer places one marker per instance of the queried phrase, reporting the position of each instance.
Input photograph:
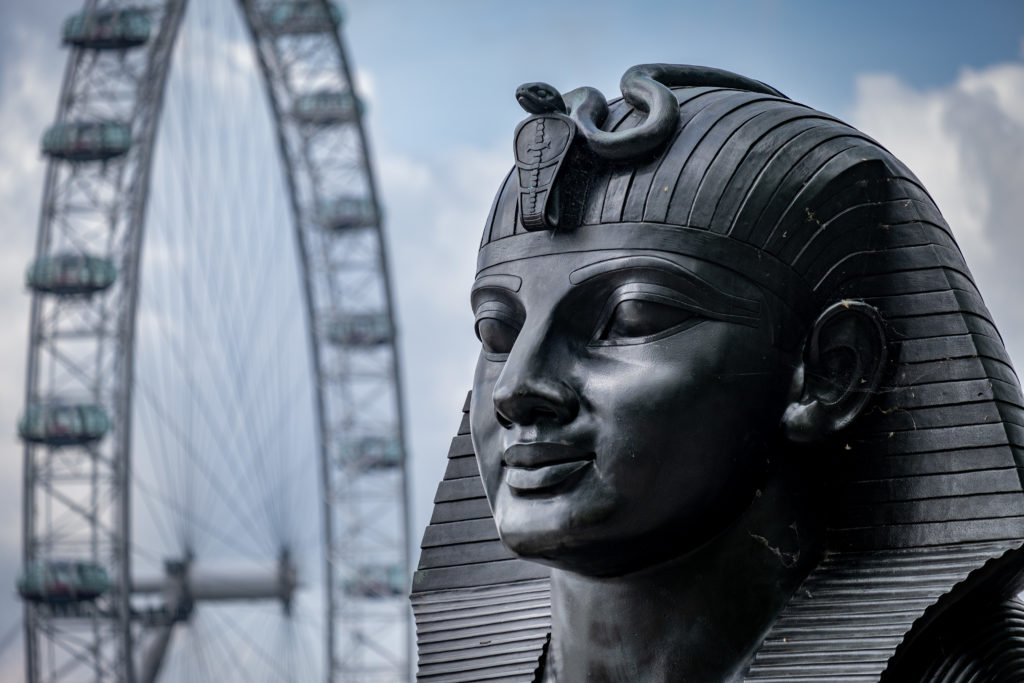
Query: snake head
(540, 98)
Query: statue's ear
(843, 359)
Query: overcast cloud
(965, 141)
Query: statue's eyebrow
(588, 272)
(509, 282)
(485, 283)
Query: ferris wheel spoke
(204, 657)
(286, 490)
(181, 533)
(300, 658)
(206, 412)
(189, 517)
(165, 451)
(229, 493)
(228, 541)
(232, 448)
(276, 425)
(214, 643)
(253, 647)
(166, 535)
(208, 473)
(238, 428)
(218, 188)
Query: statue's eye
(496, 336)
(635, 318)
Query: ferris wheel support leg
(154, 658)
(178, 604)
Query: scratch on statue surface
(788, 560)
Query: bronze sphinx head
(739, 406)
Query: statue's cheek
(485, 430)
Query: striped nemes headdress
(926, 484)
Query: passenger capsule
(302, 16)
(108, 28)
(327, 106)
(63, 424)
(70, 274)
(347, 213)
(373, 452)
(377, 581)
(63, 581)
(360, 329)
(87, 140)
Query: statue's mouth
(538, 467)
(536, 479)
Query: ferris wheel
(214, 465)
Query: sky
(941, 84)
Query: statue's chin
(599, 556)
(593, 532)
(560, 548)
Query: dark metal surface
(739, 406)
(972, 633)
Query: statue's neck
(699, 617)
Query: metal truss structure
(80, 458)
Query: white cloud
(965, 142)
(366, 86)
(436, 208)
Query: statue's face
(625, 403)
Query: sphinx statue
(739, 414)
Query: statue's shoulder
(974, 632)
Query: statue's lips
(539, 466)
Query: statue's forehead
(770, 273)
(693, 242)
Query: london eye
(214, 460)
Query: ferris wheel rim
(130, 266)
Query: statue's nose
(531, 386)
(531, 401)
